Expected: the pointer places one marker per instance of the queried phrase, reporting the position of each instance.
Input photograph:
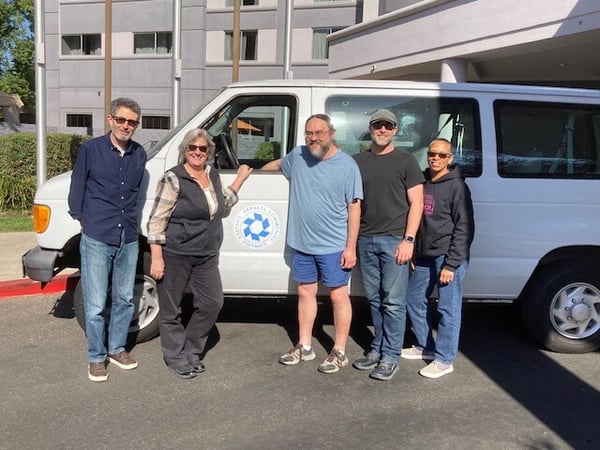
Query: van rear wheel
(562, 307)
(145, 320)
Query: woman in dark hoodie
(443, 243)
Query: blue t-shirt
(320, 191)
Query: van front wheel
(145, 320)
(562, 308)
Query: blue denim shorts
(310, 268)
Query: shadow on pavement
(496, 342)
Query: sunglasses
(122, 120)
(202, 148)
(388, 126)
(438, 154)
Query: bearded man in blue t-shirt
(323, 223)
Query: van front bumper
(39, 264)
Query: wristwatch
(410, 239)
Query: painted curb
(26, 286)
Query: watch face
(409, 239)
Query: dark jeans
(181, 344)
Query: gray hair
(123, 102)
(190, 137)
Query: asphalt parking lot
(505, 393)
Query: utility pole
(40, 93)
(107, 60)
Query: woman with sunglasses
(185, 233)
(442, 256)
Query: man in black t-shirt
(390, 216)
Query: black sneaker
(368, 362)
(384, 371)
(184, 372)
(197, 365)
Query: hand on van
(243, 173)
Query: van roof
(395, 84)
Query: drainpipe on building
(176, 63)
(287, 42)
(40, 93)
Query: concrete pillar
(370, 10)
(453, 71)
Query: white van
(531, 156)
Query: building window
(152, 43)
(156, 122)
(229, 3)
(82, 44)
(79, 120)
(320, 49)
(247, 45)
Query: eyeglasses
(202, 148)
(388, 126)
(318, 134)
(122, 120)
(438, 154)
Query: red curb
(26, 286)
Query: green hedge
(18, 164)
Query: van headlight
(41, 218)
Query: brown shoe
(123, 360)
(97, 372)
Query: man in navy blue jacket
(103, 198)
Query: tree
(17, 50)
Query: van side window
(547, 140)
(254, 129)
(420, 120)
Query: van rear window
(547, 140)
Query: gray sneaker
(334, 362)
(384, 371)
(367, 362)
(295, 355)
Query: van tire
(145, 322)
(561, 307)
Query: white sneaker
(436, 369)
(416, 352)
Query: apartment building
(142, 53)
(522, 41)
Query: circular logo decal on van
(256, 226)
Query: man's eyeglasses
(388, 126)
(317, 134)
(438, 154)
(202, 148)
(122, 120)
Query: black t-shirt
(386, 178)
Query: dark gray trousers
(181, 344)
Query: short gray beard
(319, 153)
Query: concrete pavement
(12, 283)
